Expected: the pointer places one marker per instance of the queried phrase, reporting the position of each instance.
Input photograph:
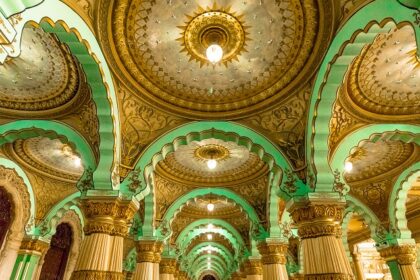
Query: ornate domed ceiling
(373, 159)
(384, 79)
(50, 157)
(43, 81)
(235, 164)
(158, 50)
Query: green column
(29, 259)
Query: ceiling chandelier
(214, 53)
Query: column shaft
(148, 258)
(402, 261)
(273, 258)
(101, 253)
(319, 227)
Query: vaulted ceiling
(264, 84)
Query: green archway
(49, 224)
(404, 132)
(213, 247)
(398, 198)
(220, 226)
(209, 257)
(11, 7)
(360, 30)
(24, 129)
(57, 18)
(226, 131)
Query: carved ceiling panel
(48, 157)
(375, 195)
(48, 192)
(285, 125)
(235, 164)
(159, 48)
(43, 81)
(383, 82)
(140, 125)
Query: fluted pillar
(30, 259)
(148, 258)
(167, 269)
(101, 253)
(401, 260)
(253, 269)
(273, 259)
(357, 266)
(319, 227)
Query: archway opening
(56, 258)
(5, 215)
(209, 277)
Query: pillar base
(328, 276)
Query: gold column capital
(273, 253)
(182, 275)
(318, 218)
(34, 245)
(167, 266)
(108, 215)
(404, 254)
(253, 267)
(236, 276)
(149, 251)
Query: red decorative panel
(56, 258)
(5, 214)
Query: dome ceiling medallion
(214, 25)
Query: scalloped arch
(222, 250)
(212, 258)
(197, 268)
(227, 131)
(359, 31)
(53, 217)
(373, 133)
(56, 17)
(398, 199)
(177, 206)
(24, 129)
(193, 229)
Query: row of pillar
(319, 227)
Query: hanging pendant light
(214, 53)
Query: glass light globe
(210, 207)
(210, 226)
(214, 53)
(348, 166)
(77, 161)
(208, 251)
(209, 236)
(211, 163)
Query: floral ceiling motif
(149, 57)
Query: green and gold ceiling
(257, 113)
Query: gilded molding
(149, 251)
(329, 276)
(273, 253)
(97, 275)
(34, 245)
(253, 267)
(167, 266)
(108, 216)
(316, 220)
(404, 254)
